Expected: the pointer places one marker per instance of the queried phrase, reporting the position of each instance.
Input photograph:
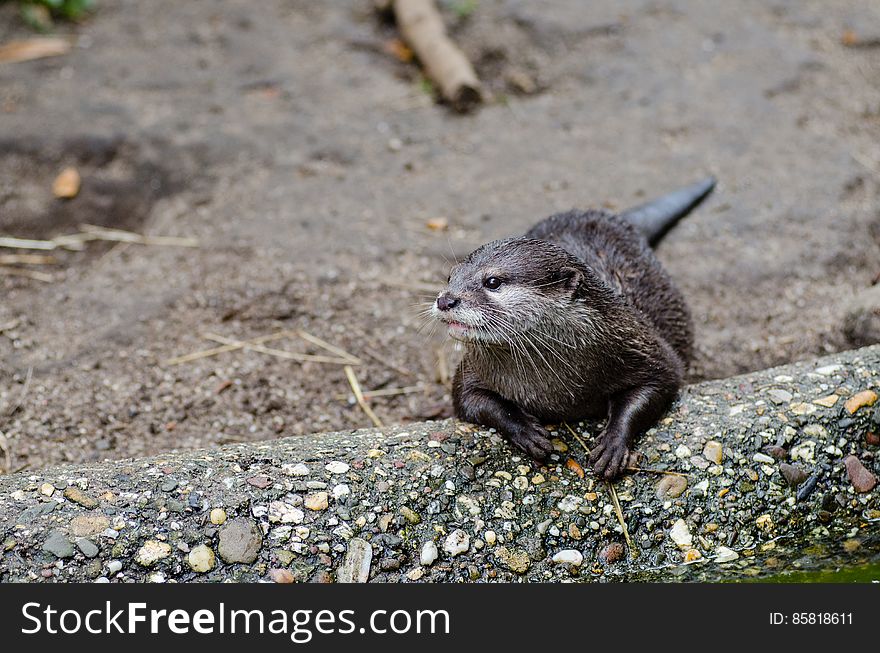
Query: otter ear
(570, 278)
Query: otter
(574, 320)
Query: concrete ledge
(438, 501)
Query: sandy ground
(307, 161)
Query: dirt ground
(307, 161)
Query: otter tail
(655, 218)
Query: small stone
(670, 487)
(114, 566)
(805, 451)
(58, 545)
(802, 408)
(240, 541)
(457, 542)
(356, 566)
(218, 516)
(341, 490)
(201, 559)
(763, 459)
(538, 479)
(852, 545)
(317, 501)
(872, 439)
(681, 535)
(691, 555)
(88, 525)
(682, 451)
(778, 453)
(47, 489)
(285, 513)
(490, 537)
(794, 474)
(860, 478)
(723, 554)
(827, 401)
(611, 553)
(778, 396)
(337, 467)
(859, 400)
(712, 452)
(516, 560)
(300, 469)
(152, 552)
(429, 554)
(73, 493)
(415, 574)
(410, 515)
(764, 522)
(571, 557)
(282, 576)
(570, 503)
(88, 548)
(260, 481)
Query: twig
(278, 353)
(30, 274)
(22, 394)
(121, 236)
(205, 353)
(356, 388)
(333, 349)
(9, 326)
(629, 544)
(26, 259)
(422, 28)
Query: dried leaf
(36, 48)
(438, 224)
(573, 465)
(66, 184)
(398, 49)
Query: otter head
(507, 287)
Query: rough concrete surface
(771, 471)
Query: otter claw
(610, 457)
(534, 440)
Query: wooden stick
(356, 388)
(578, 438)
(422, 28)
(278, 353)
(205, 353)
(323, 344)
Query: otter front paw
(610, 456)
(532, 439)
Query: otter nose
(447, 301)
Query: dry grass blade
(206, 353)
(278, 353)
(26, 259)
(578, 438)
(333, 349)
(36, 48)
(25, 243)
(24, 390)
(632, 551)
(30, 274)
(9, 326)
(388, 392)
(359, 396)
(121, 236)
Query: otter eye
(492, 283)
